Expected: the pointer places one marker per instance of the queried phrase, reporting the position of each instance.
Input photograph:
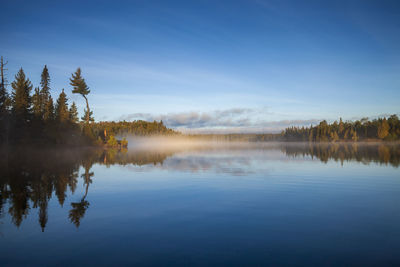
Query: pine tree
(79, 87)
(45, 90)
(21, 100)
(73, 113)
(62, 113)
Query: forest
(381, 129)
(29, 115)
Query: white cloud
(234, 120)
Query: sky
(213, 66)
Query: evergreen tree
(45, 90)
(62, 113)
(79, 87)
(73, 113)
(21, 100)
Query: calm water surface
(259, 204)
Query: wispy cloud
(232, 120)
(193, 119)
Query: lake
(207, 204)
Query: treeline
(29, 115)
(133, 128)
(236, 137)
(381, 129)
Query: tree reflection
(30, 178)
(79, 208)
(365, 153)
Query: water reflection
(79, 208)
(29, 178)
(388, 154)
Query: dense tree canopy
(135, 128)
(387, 129)
(36, 119)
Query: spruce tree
(21, 100)
(73, 113)
(45, 90)
(62, 113)
(79, 87)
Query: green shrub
(112, 141)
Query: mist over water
(182, 200)
(182, 142)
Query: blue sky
(236, 66)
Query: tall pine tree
(21, 108)
(45, 90)
(21, 99)
(80, 87)
(62, 113)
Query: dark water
(260, 204)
